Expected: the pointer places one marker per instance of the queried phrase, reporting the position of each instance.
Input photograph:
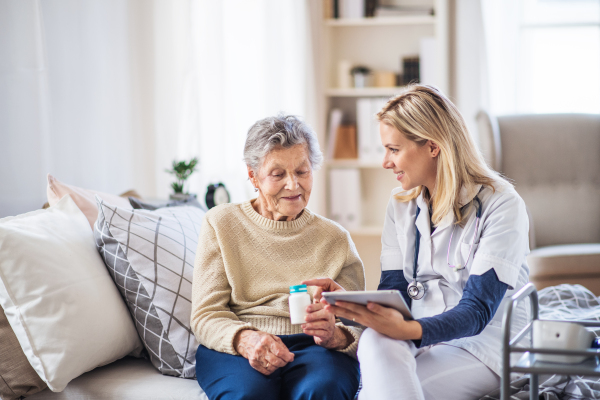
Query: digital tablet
(387, 298)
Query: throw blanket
(563, 302)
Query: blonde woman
(454, 243)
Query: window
(558, 66)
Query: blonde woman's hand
(264, 351)
(323, 285)
(321, 325)
(384, 320)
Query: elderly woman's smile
(284, 182)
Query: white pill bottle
(299, 300)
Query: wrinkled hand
(323, 285)
(321, 325)
(384, 320)
(264, 351)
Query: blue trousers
(315, 373)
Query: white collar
(466, 195)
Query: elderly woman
(249, 254)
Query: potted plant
(182, 171)
(360, 74)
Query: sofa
(554, 163)
(76, 320)
(128, 378)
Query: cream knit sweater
(245, 264)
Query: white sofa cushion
(129, 378)
(58, 297)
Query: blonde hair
(423, 113)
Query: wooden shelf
(352, 163)
(364, 92)
(367, 231)
(382, 21)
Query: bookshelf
(378, 43)
(363, 92)
(380, 21)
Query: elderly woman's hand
(321, 325)
(264, 351)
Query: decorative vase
(181, 196)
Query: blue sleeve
(481, 298)
(395, 280)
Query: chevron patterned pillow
(150, 256)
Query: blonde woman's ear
(434, 149)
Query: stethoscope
(416, 290)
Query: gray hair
(281, 131)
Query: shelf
(352, 163)
(366, 231)
(364, 92)
(382, 21)
(528, 364)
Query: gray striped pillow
(150, 256)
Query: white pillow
(58, 297)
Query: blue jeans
(315, 373)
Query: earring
(256, 189)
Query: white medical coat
(501, 243)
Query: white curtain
(245, 60)
(104, 94)
(23, 107)
(73, 98)
(501, 35)
(471, 92)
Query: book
(345, 198)
(377, 104)
(410, 70)
(328, 11)
(345, 142)
(351, 8)
(370, 7)
(401, 11)
(363, 124)
(369, 142)
(335, 120)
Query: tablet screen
(386, 298)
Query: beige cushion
(564, 213)
(545, 149)
(489, 139)
(84, 198)
(575, 264)
(553, 160)
(17, 377)
(129, 378)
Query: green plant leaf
(182, 171)
(177, 187)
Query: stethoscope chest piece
(416, 290)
